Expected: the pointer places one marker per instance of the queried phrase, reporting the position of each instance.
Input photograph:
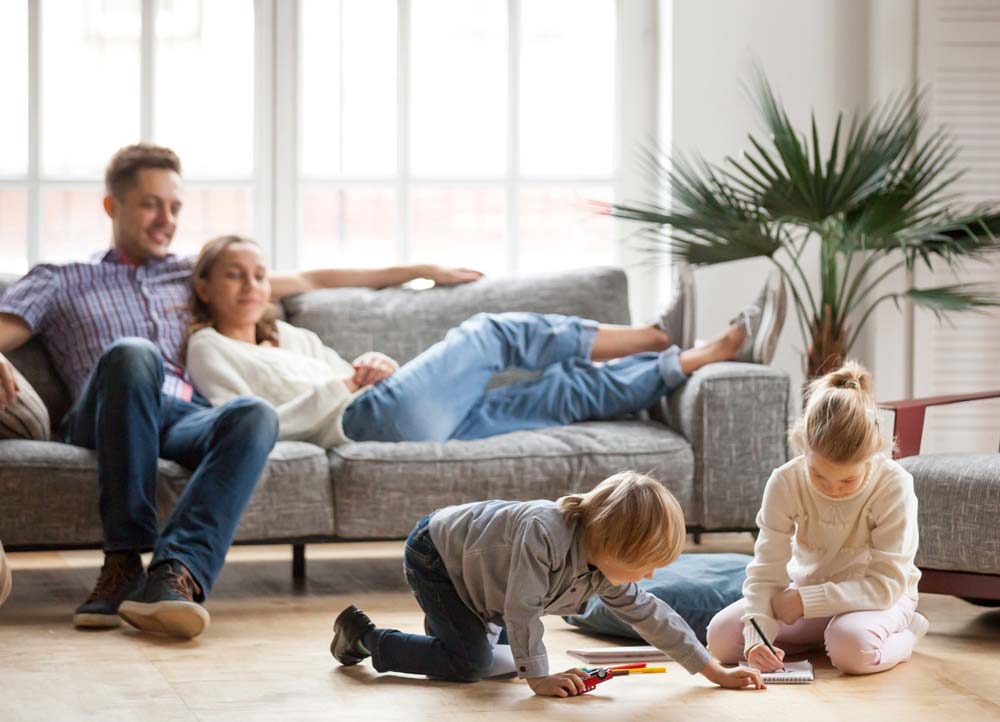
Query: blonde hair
(840, 421)
(631, 518)
(200, 315)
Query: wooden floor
(266, 657)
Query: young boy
(480, 567)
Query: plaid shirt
(79, 309)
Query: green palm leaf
(879, 190)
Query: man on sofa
(114, 329)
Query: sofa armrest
(735, 416)
(909, 418)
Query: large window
(457, 131)
(338, 132)
(84, 77)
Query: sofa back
(399, 322)
(402, 322)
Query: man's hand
(371, 368)
(787, 606)
(732, 677)
(563, 684)
(760, 657)
(451, 276)
(8, 384)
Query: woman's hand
(451, 276)
(760, 657)
(562, 684)
(732, 677)
(371, 368)
(787, 606)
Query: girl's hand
(760, 657)
(371, 368)
(787, 606)
(732, 677)
(563, 684)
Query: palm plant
(877, 202)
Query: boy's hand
(787, 606)
(732, 677)
(371, 368)
(562, 684)
(760, 657)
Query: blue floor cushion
(697, 586)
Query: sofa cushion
(696, 586)
(27, 417)
(293, 498)
(958, 499)
(383, 489)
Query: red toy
(601, 674)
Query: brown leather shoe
(166, 603)
(120, 575)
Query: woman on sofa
(237, 347)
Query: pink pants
(856, 642)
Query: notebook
(613, 655)
(793, 673)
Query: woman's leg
(872, 641)
(578, 390)
(613, 342)
(427, 398)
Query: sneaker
(348, 629)
(166, 603)
(120, 576)
(5, 582)
(762, 321)
(678, 318)
(919, 625)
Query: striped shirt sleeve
(31, 296)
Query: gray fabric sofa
(719, 438)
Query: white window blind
(959, 63)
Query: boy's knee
(851, 649)
(474, 668)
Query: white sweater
(301, 378)
(846, 554)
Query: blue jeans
(459, 646)
(123, 414)
(441, 394)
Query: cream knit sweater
(301, 378)
(847, 554)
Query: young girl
(478, 567)
(237, 348)
(840, 521)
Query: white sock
(503, 662)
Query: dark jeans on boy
(460, 647)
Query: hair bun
(851, 375)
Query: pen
(763, 638)
(645, 670)
(767, 643)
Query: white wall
(816, 55)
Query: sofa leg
(697, 537)
(299, 562)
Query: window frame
(276, 181)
